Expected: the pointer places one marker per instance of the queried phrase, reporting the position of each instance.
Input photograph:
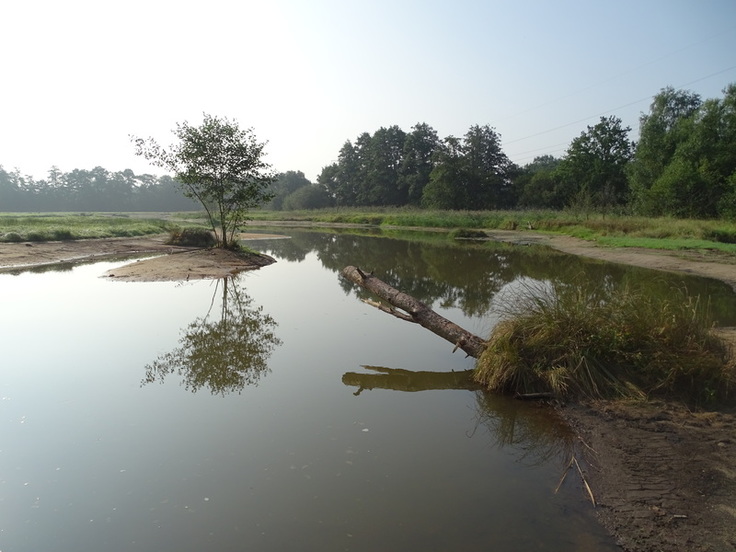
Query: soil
(663, 476)
(160, 261)
(710, 264)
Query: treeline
(683, 165)
(91, 190)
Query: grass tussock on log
(583, 342)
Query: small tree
(219, 165)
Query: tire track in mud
(664, 477)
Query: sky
(80, 77)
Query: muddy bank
(663, 476)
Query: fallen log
(415, 311)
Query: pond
(276, 411)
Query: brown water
(278, 412)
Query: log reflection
(406, 380)
(223, 354)
(533, 430)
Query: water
(126, 428)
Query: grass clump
(577, 341)
(12, 237)
(63, 226)
(192, 237)
(467, 234)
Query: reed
(600, 342)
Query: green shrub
(13, 237)
(61, 234)
(722, 236)
(509, 224)
(581, 341)
(38, 236)
(192, 237)
(464, 233)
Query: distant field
(615, 231)
(36, 227)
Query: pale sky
(80, 76)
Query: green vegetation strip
(55, 227)
(619, 231)
(614, 231)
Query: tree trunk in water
(415, 311)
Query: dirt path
(664, 477)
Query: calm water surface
(274, 411)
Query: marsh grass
(671, 244)
(618, 231)
(61, 227)
(615, 230)
(581, 341)
(465, 234)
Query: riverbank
(663, 476)
(159, 260)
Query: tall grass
(582, 341)
(59, 227)
(618, 230)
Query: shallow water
(125, 428)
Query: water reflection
(468, 275)
(536, 435)
(68, 266)
(223, 354)
(406, 380)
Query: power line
(616, 108)
(618, 75)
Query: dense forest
(683, 165)
(91, 190)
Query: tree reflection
(224, 354)
(468, 275)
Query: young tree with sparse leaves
(220, 165)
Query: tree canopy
(220, 165)
(683, 165)
(685, 162)
(593, 170)
(96, 189)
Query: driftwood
(406, 380)
(413, 310)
